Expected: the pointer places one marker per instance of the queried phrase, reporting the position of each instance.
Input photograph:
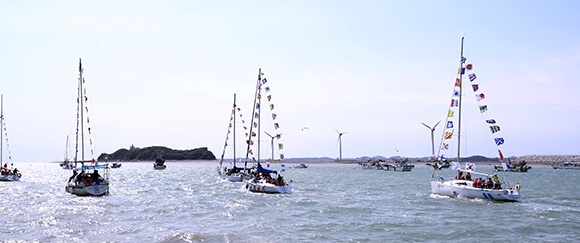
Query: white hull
(263, 187)
(159, 167)
(10, 178)
(92, 190)
(233, 178)
(454, 188)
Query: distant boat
(116, 165)
(567, 166)
(6, 174)
(264, 182)
(462, 186)
(67, 164)
(513, 167)
(159, 163)
(234, 173)
(89, 182)
(301, 166)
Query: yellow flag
(450, 113)
(261, 73)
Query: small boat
(264, 182)
(89, 182)
(233, 173)
(301, 166)
(460, 186)
(116, 165)
(400, 165)
(6, 174)
(159, 164)
(567, 166)
(513, 167)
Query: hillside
(151, 153)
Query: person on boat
(468, 176)
(459, 176)
(75, 173)
(496, 182)
(482, 183)
(489, 183)
(80, 177)
(96, 178)
(280, 181)
(476, 182)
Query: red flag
(500, 154)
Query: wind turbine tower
(432, 140)
(339, 144)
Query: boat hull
(454, 188)
(232, 178)
(264, 187)
(10, 177)
(92, 190)
(159, 167)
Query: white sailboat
(490, 189)
(265, 180)
(89, 182)
(233, 173)
(7, 173)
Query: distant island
(153, 152)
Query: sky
(163, 73)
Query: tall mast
(459, 105)
(82, 121)
(253, 115)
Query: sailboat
(486, 186)
(67, 164)
(89, 182)
(7, 174)
(266, 180)
(235, 173)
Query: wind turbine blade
(426, 125)
(436, 125)
(337, 131)
(268, 134)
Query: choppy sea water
(330, 203)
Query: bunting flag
(264, 81)
(267, 89)
(483, 108)
(454, 103)
(276, 126)
(490, 121)
(457, 82)
(448, 135)
(280, 146)
(273, 116)
(449, 124)
(271, 106)
(445, 146)
(463, 59)
(475, 87)
(269, 97)
(498, 141)
(500, 154)
(472, 77)
(450, 113)
(479, 97)
(494, 128)
(455, 92)
(469, 66)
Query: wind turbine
(272, 141)
(432, 141)
(340, 143)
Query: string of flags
(83, 94)
(6, 136)
(270, 105)
(483, 108)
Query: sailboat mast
(235, 111)
(459, 105)
(81, 100)
(253, 116)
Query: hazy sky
(164, 73)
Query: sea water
(187, 202)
